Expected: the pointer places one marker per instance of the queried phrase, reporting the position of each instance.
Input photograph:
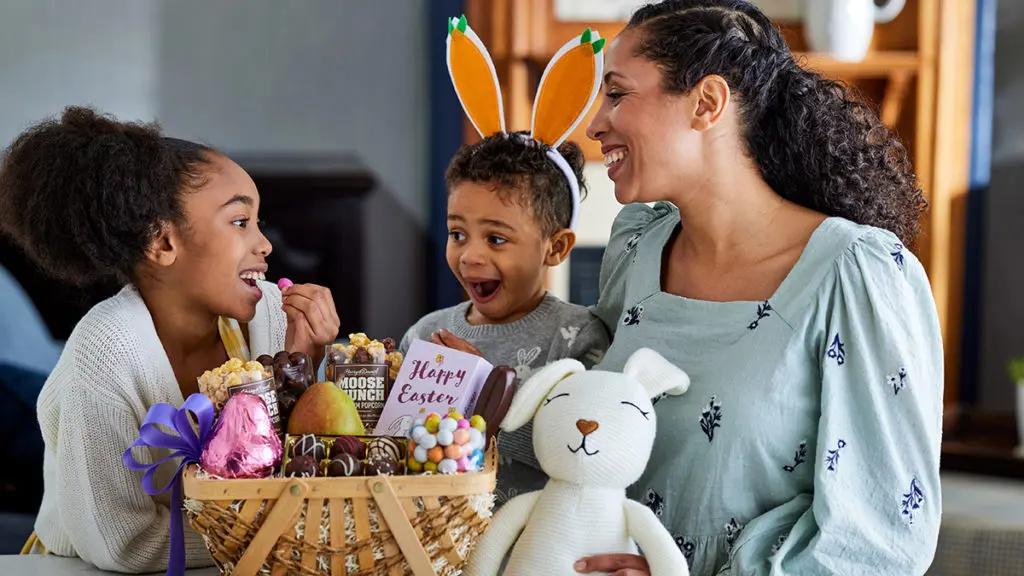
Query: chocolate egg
(243, 442)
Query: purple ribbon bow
(186, 445)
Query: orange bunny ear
(568, 88)
(474, 78)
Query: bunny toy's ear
(657, 375)
(568, 88)
(476, 83)
(532, 392)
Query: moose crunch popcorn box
(432, 379)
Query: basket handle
(281, 516)
(405, 536)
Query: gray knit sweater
(554, 330)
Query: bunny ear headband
(567, 89)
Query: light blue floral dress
(809, 440)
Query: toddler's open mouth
(484, 290)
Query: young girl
(91, 198)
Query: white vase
(843, 28)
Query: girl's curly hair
(815, 143)
(85, 194)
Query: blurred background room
(344, 114)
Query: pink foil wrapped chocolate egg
(243, 443)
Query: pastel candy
(447, 466)
(414, 466)
(453, 452)
(463, 424)
(477, 459)
(448, 425)
(435, 454)
(464, 464)
(430, 467)
(445, 437)
(420, 454)
(461, 436)
(478, 422)
(427, 441)
(476, 439)
(432, 423)
(418, 432)
(284, 283)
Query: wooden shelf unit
(919, 75)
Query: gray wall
(1002, 304)
(248, 76)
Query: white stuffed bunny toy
(592, 433)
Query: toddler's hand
(445, 338)
(312, 320)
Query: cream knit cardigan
(112, 370)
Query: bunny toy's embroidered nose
(586, 426)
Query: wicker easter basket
(423, 525)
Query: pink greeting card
(432, 379)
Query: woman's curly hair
(815, 143)
(84, 195)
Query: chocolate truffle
(380, 464)
(267, 360)
(297, 374)
(389, 344)
(298, 359)
(309, 445)
(286, 400)
(344, 465)
(386, 447)
(362, 356)
(348, 445)
(301, 466)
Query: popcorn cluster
(215, 383)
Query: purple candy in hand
(283, 283)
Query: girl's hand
(445, 338)
(614, 564)
(312, 320)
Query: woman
(774, 269)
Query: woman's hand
(312, 320)
(445, 338)
(614, 564)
